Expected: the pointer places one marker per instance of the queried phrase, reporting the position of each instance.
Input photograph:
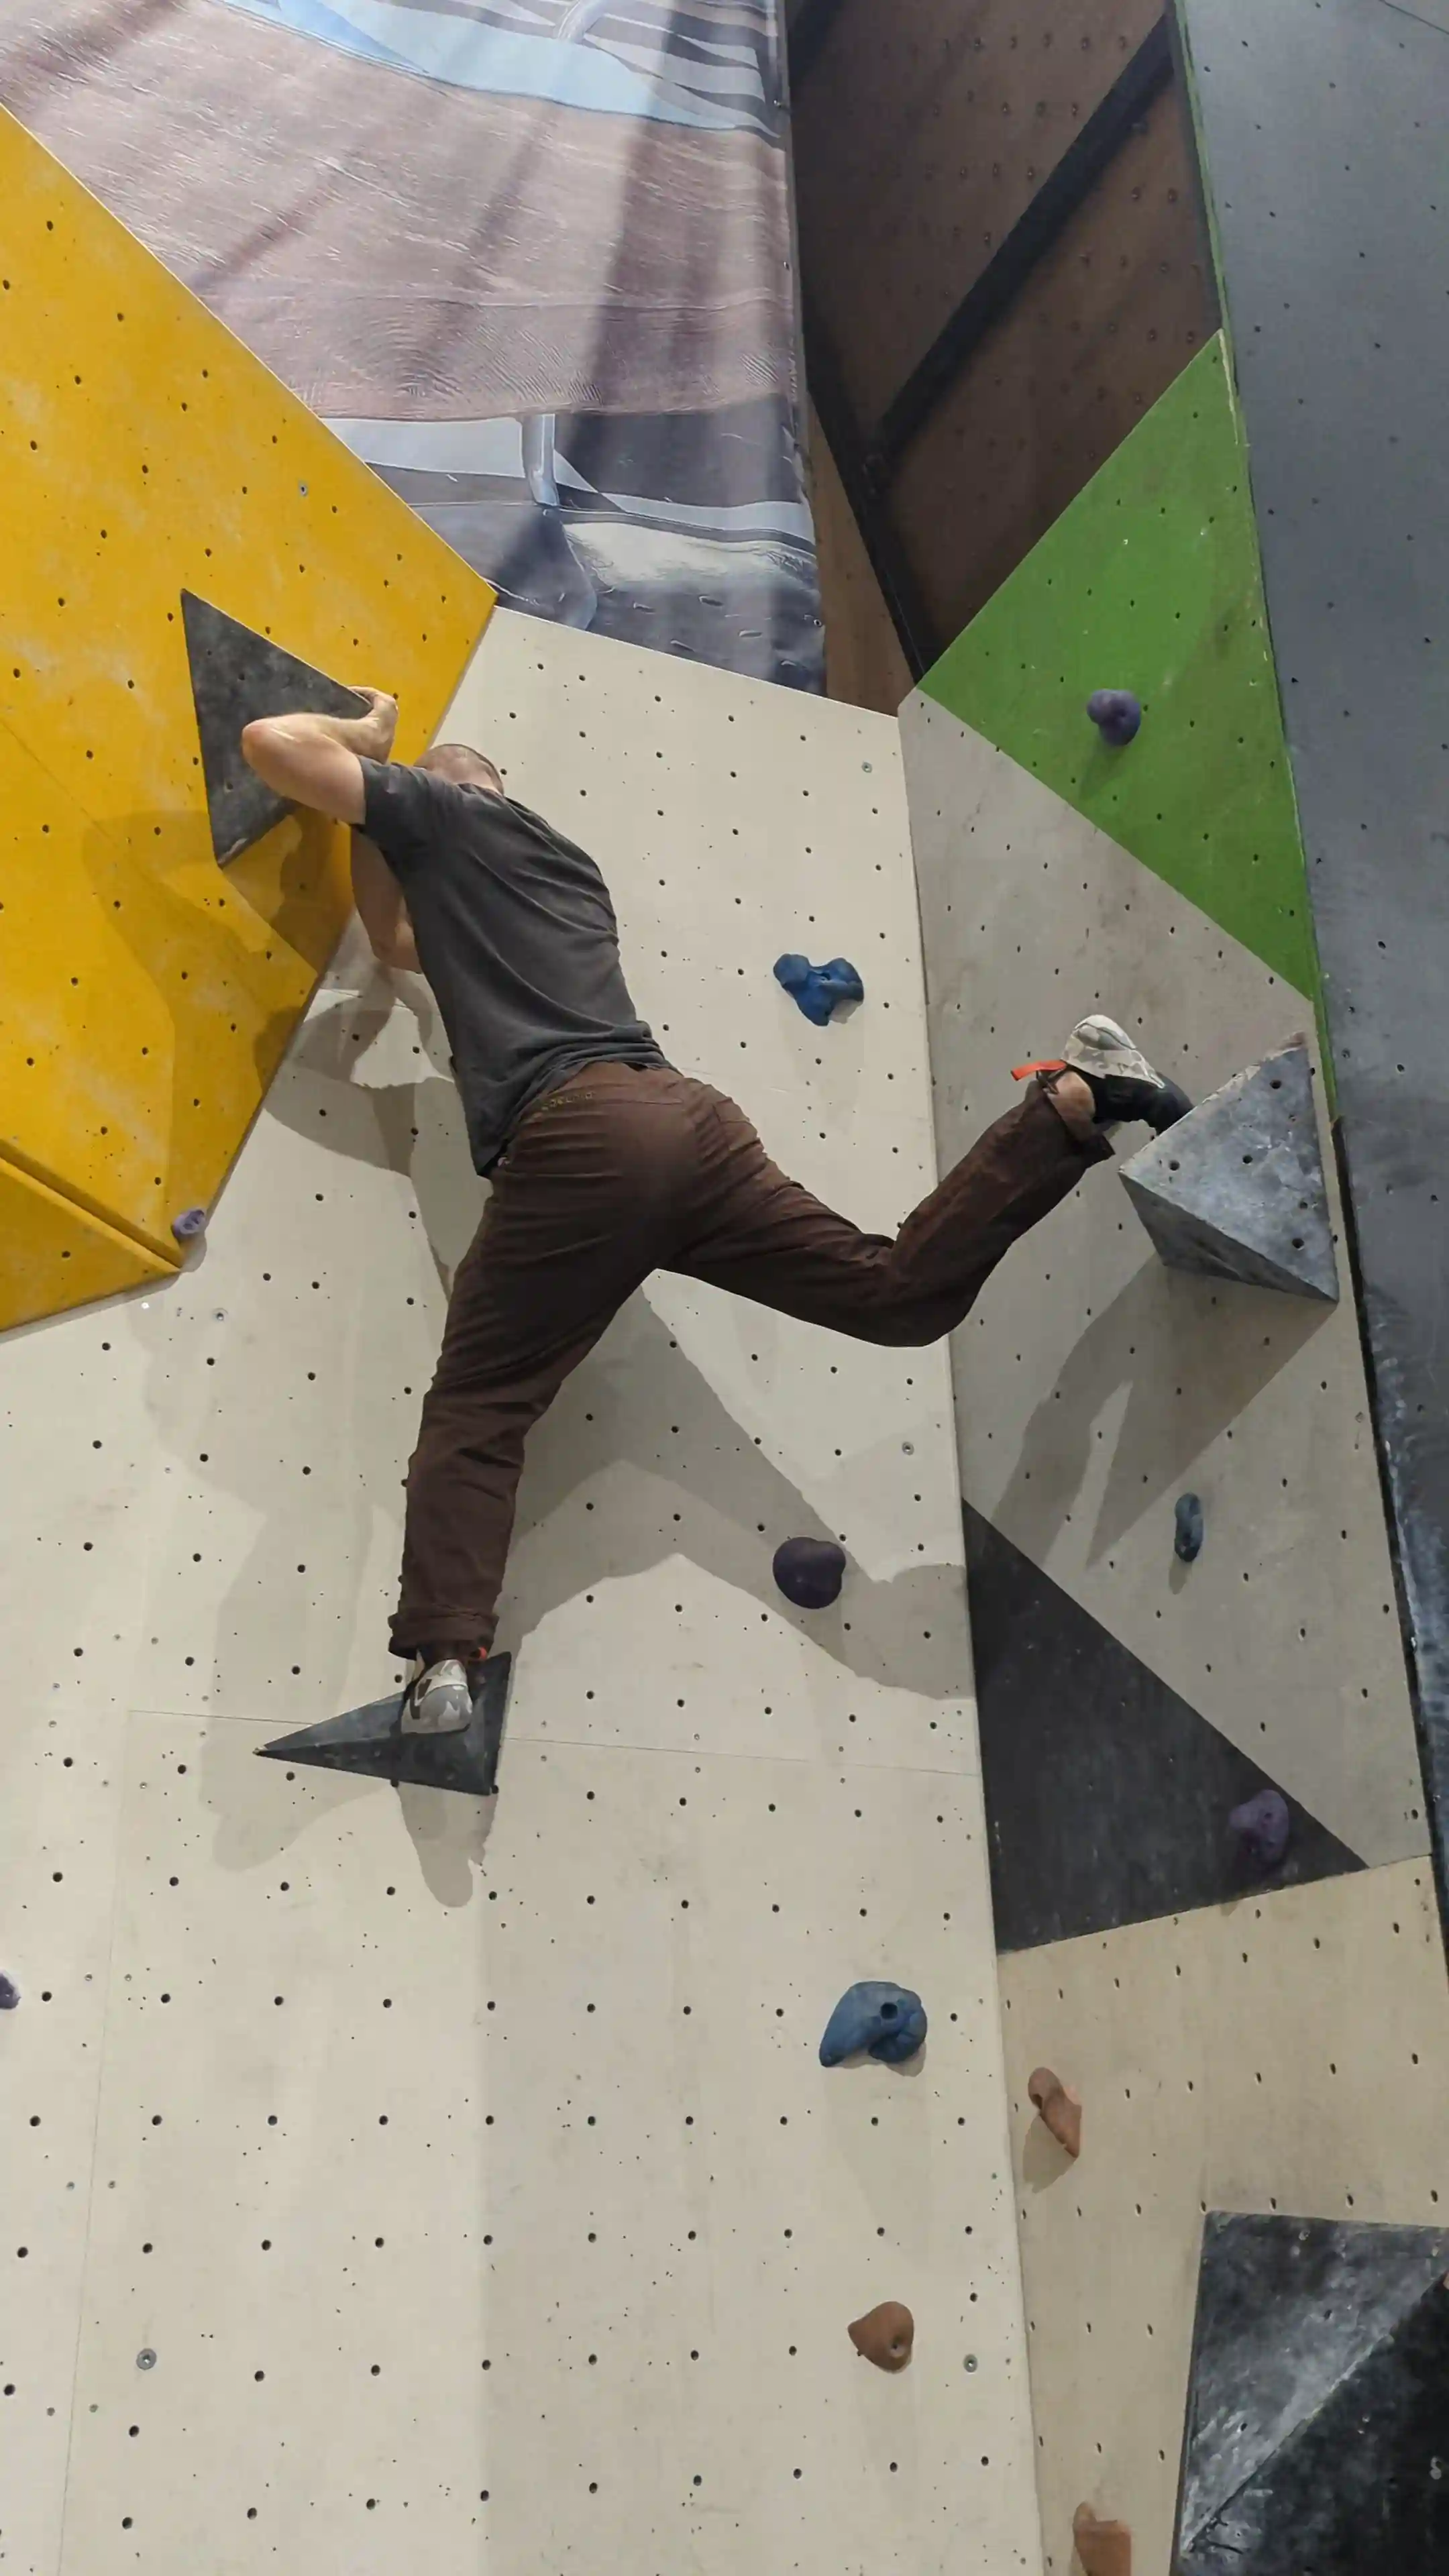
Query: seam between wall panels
(92, 1208)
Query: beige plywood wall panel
(335, 2015)
(526, 2232)
(1283, 2053)
(58, 1837)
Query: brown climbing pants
(624, 1170)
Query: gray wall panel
(1324, 126)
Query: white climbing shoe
(438, 1701)
(1124, 1086)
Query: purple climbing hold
(818, 989)
(1116, 715)
(809, 1571)
(189, 1224)
(1263, 1827)
(9, 1994)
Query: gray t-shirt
(517, 938)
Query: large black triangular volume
(1316, 2411)
(371, 1742)
(235, 677)
(1236, 1189)
(1107, 1796)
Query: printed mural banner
(530, 259)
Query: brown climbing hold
(1060, 2108)
(1104, 2548)
(886, 2335)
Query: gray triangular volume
(1289, 2313)
(236, 676)
(1123, 1814)
(1236, 1191)
(371, 1741)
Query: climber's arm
(381, 907)
(317, 760)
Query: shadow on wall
(617, 1412)
(1176, 1408)
(619, 1409)
(449, 1834)
(619, 1406)
(246, 943)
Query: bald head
(465, 767)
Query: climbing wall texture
(149, 999)
(1284, 2053)
(470, 2174)
(1322, 138)
(1235, 2039)
(1150, 581)
(1094, 1386)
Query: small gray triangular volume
(371, 1741)
(1236, 1190)
(235, 677)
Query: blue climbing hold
(810, 1571)
(189, 1224)
(1116, 715)
(818, 989)
(1263, 1826)
(9, 1994)
(887, 2020)
(1187, 1538)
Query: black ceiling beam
(1140, 81)
(899, 588)
(806, 35)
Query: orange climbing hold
(1060, 2108)
(1104, 2548)
(885, 2336)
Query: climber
(605, 1162)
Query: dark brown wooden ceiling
(1003, 264)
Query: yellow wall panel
(143, 450)
(53, 1255)
(142, 1011)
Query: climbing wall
(1327, 187)
(459, 2180)
(1249, 2040)
(148, 997)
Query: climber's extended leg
(765, 1237)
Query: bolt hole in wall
(543, 2069)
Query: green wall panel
(1150, 581)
